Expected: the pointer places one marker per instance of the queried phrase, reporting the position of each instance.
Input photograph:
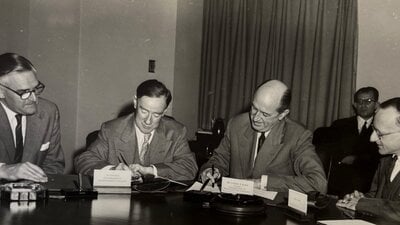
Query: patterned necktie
(19, 142)
(145, 147)
(261, 140)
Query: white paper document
(237, 186)
(298, 201)
(345, 222)
(265, 194)
(112, 178)
(197, 185)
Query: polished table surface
(147, 209)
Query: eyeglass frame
(380, 136)
(37, 90)
(265, 115)
(367, 101)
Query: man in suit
(383, 199)
(266, 142)
(29, 126)
(149, 142)
(354, 157)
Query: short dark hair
(393, 102)
(12, 62)
(373, 90)
(153, 88)
(285, 101)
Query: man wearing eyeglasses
(266, 142)
(354, 157)
(29, 126)
(383, 199)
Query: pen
(123, 159)
(212, 173)
(80, 181)
(205, 184)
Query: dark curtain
(311, 45)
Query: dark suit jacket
(287, 156)
(347, 141)
(383, 200)
(41, 128)
(168, 151)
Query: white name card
(112, 178)
(237, 186)
(297, 201)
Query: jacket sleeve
(221, 156)
(54, 161)
(386, 209)
(309, 173)
(183, 166)
(95, 157)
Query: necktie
(261, 140)
(19, 142)
(364, 130)
(145, 147)
(396, 168)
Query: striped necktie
(145, 147)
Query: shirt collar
(361, 121)
(10, 114)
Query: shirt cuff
(109, 167)
(155, 173)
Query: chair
(323, 139)
(91, 137)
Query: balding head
(270, 105)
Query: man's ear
(283, 114)
(135, 101)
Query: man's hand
(350, 201)
(123, 166)
(207, 174)
(26, 170)
(137, 168)
(348, 160)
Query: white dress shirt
(361, 121)
(13, 122)
(258, 136)
(395, 170)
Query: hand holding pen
(212, 174)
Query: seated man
(29, 126)
(384, 196)
(149, 142)
(287, 155)
(354, 157)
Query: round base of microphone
(238, 205)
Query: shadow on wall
(92, 136)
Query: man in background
(29, 126)
(266, 142)
(145, 142)
(354, 157)
(383, 199)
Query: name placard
(112, 178)
(297, 201)
(237, 186)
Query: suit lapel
(159, 144)
(246, 150)
(271, 147)
(34, 127)
(128, 145)
(6, 138)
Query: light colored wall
(117, 40)
(92, 54)
(187, 63)
(46, 32)
(379, 46)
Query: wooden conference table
(144, 209)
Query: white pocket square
(44, 147)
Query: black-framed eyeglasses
(367, 101)
(25, 94)
(380, 135)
